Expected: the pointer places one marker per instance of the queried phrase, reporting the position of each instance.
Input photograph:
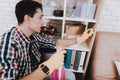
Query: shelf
(80, 19)
(71, 19)
(78, 71)
(53, 17)
(80, 47)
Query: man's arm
(62, 42)
(54, 62)
(67, 42)
(43, 42)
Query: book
(77, 10)
(72, 59)
(82, 60)
(84, 8)
(68, 59)
(77, 60)
(92, 11)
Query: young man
(15, 62)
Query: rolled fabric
(58, 74)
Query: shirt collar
(22, 35)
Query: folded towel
(58, 74)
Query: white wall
(109, 20)
(7, 14)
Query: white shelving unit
(65, 18)
(88, 22)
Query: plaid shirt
(14, 58)
(15, 61)
(38, 42)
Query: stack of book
(75, 57)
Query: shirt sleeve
(8, 66)
(42, 42)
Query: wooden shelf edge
(78, 71)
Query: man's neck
(25, 30)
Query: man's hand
(55, 61)
(86, 34)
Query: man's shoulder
(9, 35)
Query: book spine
(72, 58)
(84, 10)
(77, 60)
(77, 11)
(82, 60)
(92, 11)
(68, 59)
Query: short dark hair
(26, 7)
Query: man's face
(36, 21)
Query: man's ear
(26, 18)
